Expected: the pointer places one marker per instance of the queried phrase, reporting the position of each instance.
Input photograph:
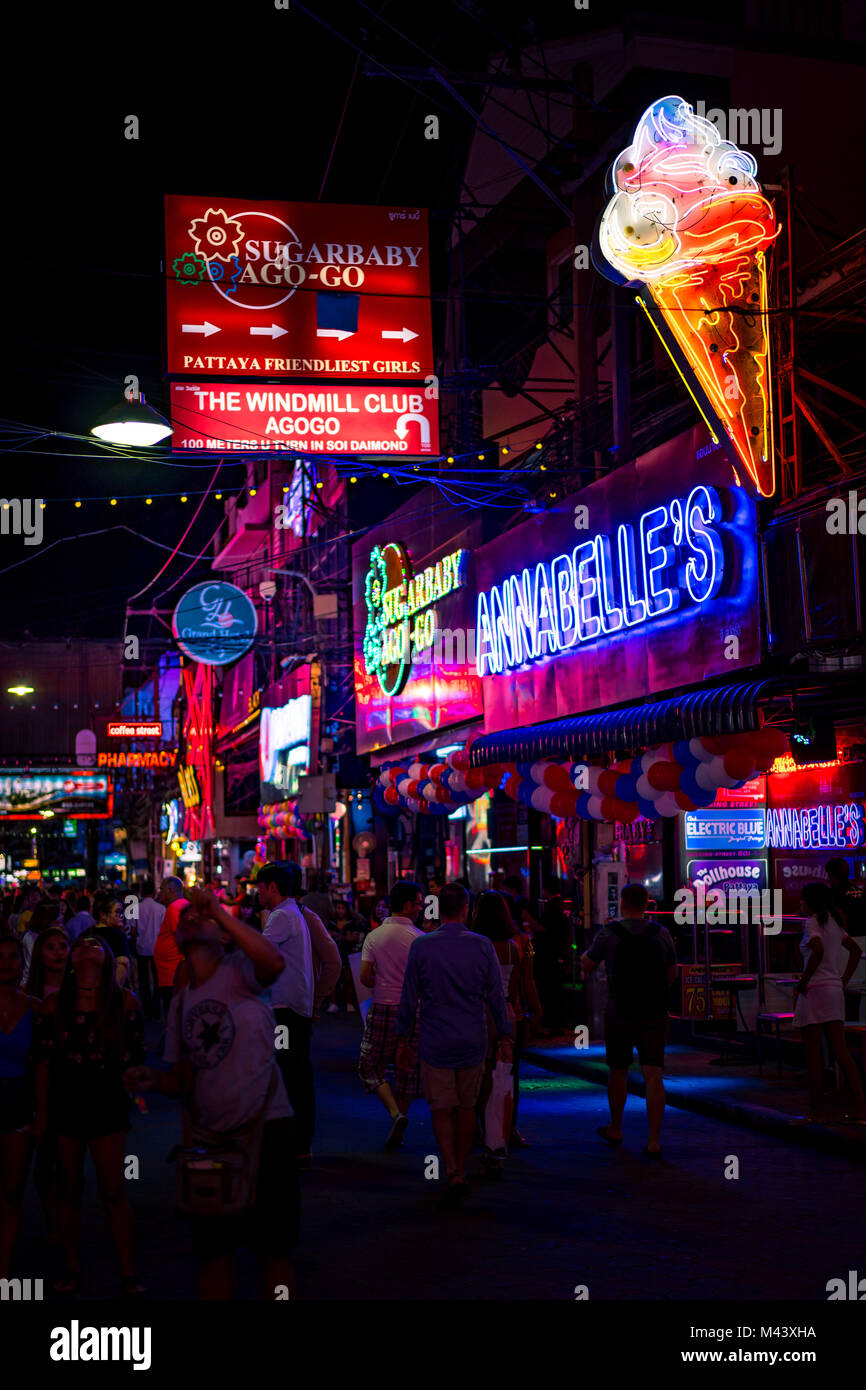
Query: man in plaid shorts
(383, 965)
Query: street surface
(567, 1212)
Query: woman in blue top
(16, 1094)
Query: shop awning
(727, 709)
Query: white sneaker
(332, 1009)
(350, 1009)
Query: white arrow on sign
(401, 429)
(272, 331)
(338, 333)
(208, 329)
(403, 333)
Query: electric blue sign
(215, 623)
(725, 829)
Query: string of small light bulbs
(352, 470)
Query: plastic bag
(499, 1109)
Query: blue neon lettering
(672, 556)
(611, 613)
(703, 575)
(488, 655)
(500, 623)
(815, 827)
(660, 599)
(546, 633)
(634, 607)
(562, 573)
(522, 619)
(584, 558)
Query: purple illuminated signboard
(644, 581)
(413, 586)
(727, 873)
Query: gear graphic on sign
(188, 268)
(218, 236)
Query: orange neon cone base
(718, 316)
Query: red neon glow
(198, 738)
(786, 764)
(133, 728)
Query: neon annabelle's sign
(673, 558)
(835, 826)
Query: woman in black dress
(86, 1035)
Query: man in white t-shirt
(383, 965)
(150, 915)
(292, 996)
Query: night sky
(250, 108)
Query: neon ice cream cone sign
(688, 218)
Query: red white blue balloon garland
(662, 781)
(282, 821)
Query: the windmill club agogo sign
(329, 418)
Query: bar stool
(776, 1020)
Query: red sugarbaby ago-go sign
(302, 290)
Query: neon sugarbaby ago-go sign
(401, 619)
(672, 558)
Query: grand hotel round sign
(215, 623)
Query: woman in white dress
(820, 996)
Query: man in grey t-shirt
(641, 964)
(220, 1040)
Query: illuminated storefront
(644, 582)
(417, 691)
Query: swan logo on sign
(215, 623)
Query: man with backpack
(641, 964)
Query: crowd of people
(452, 990)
